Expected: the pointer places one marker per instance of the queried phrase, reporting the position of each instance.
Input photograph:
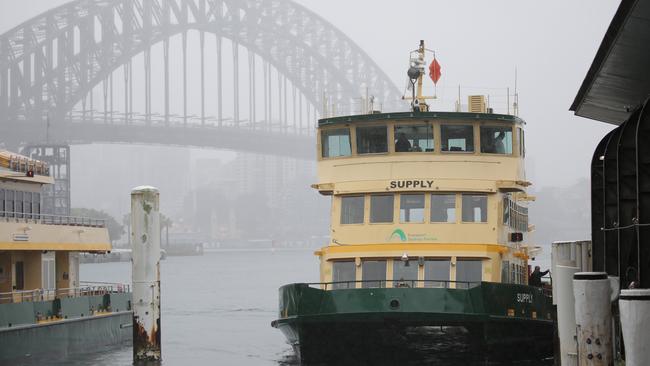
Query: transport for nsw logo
(398, 233)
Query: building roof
(618, 80)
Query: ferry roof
(617, 81)
(419, 116)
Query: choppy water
(217, 310)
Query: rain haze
(243, 196)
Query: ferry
(429, 233)
(46, 311)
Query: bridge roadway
(74, 132)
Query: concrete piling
(635, 323)
(594, 292)
(145, 241)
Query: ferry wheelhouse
(429, 225)
(45, 310)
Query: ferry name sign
(410, 184)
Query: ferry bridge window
(443, 207)
(411, 208)
(468, 272)
(496, 140)
(474, 208)
(457, 138)
(343, 271)
(336, 143)
(373, 273)
(413, 138)
(405, 273)
(371, 140)
(436, 272)
(352, 210)
(381, 208)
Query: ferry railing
(337, 285)
(87, 289)
(45, 219)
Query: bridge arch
(49, 63)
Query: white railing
(7, 216)
(87, 289)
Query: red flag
(434, 71)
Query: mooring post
(145, 239)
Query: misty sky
(478, 44)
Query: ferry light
(405, 259)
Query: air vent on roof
(476, 104)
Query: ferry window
(19, 204)
(352, 210)
(496, 140)
(468, 272)
(436, 272)
(506, 210)
(373, 273)
(411, 208)
(335, 142)
(443, 207)
(505, 266)
(27, 205)
(474, 208)
(9, 202)
(522, 147)
(343, 271)
(2, 203)
(405, 273)
(457, 138)
(36, 203)
(371, 140)
(381, 208)
(413, 138)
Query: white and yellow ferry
(428, 228)
(46, 312)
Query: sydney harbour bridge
(260, 72)
(52, 65)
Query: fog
(479, 44)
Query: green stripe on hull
(487, 300)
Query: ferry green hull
(329, 325)
(86, 324)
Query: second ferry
(429, 225)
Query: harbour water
(217, 309)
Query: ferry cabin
(39, 253)
(424, 199)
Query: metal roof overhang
(618, 80)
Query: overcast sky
(478, 43)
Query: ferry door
(19, 275)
